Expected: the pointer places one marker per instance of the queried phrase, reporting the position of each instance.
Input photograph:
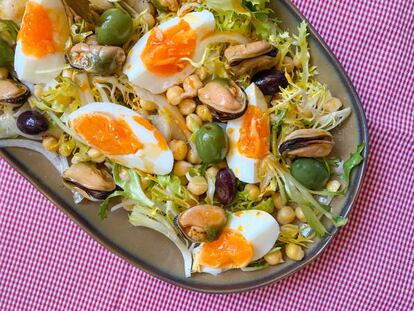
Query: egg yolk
(164, 49)
(158, 136)
(230, 250)
(254, 134)
(111, 136)
(38, 28)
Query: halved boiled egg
(40, 50)
(248, 236)
(123, 136)
(156, 62)
(249, 137)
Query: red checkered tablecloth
(48, 263)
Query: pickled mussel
(308, 143)
(225, 99)
(97, 59)
(93, 183)
(13, 92)
(251, 58)
(201, 223)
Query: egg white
(150, 159)
(244, 168)
(41, 69)
(201, 22)
(259, 228)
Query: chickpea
(296, 62)
(148, 105)
(148, 19)
(193, 157)
(285, 215)
(253, 192)
(96, 155)
(299, 214)
(4, 73)
(204, 113)
(191, 85)
(202, 73)
(38, 90)
(274, 258)
(333, 104)
(174, 95)
(197, 185)
(66, 147)
(179, 149)
(50, 143)
(187, 106)
(221, 164)
(288, 64)
(333, 185)
(193, 122)
(277, 200)
(294, 251)
(77, 158)
(212, 172)
(181, 168)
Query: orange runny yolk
(111, 136)
(38, 28)
(230, 250)
(254, 134)
(162, 143)
(165, 48)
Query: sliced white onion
(58, 161)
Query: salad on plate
(203, 120)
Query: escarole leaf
(142, 216)
(131, 189)
(226, 5)
(354, 160)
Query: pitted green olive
(310, 172)
(211, 143)
(114, 27)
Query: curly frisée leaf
(130, 182)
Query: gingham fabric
(48, 263)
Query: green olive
(114, 27)
(211, 143)
(310, 172)
(6, 53)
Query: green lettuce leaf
(131, 189)
(354, 160)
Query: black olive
(225, 186)
(269, 81)
(32, 123)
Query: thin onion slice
(58, 161)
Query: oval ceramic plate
(164, 261)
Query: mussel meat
(13, 92)
(97, 59)
(91, 182)
(201, 223)
(308, 143)
(251, 57)
(225, 99)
